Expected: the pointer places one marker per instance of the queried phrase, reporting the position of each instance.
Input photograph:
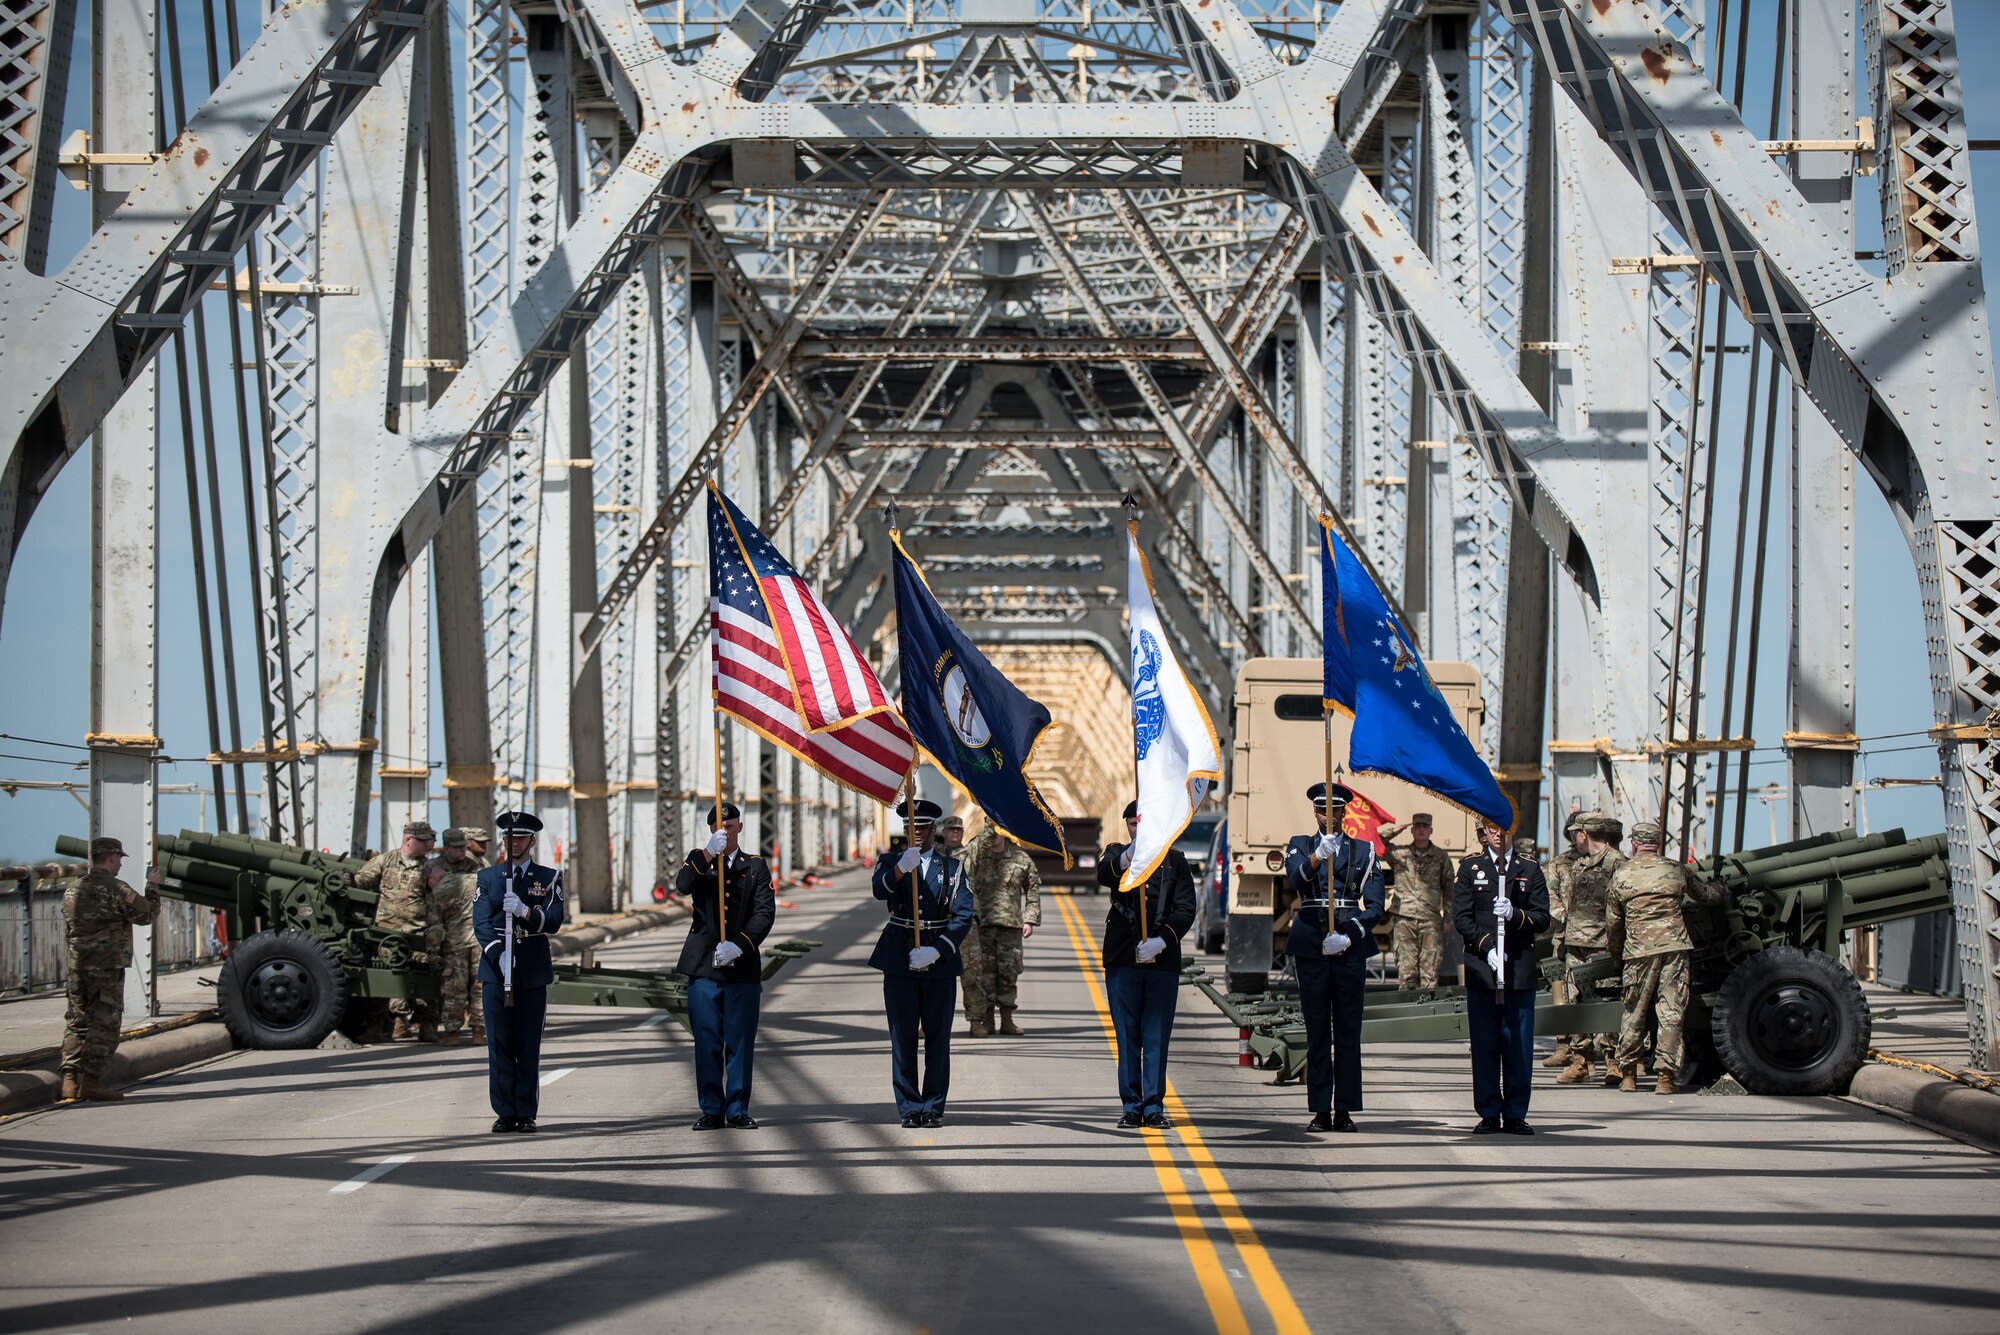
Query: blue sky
(45, 632)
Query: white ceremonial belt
(928, 924)
(1324, 903)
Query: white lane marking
(370, 1174)
(661, 1018)
(556, 1075)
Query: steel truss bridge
(449, 312)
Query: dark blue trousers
(917, 1002)
(1142, 1018)
(1330, 994)
(1503, 1049)
(723, 1018)
(514, 1049)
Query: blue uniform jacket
(1357, 880)
(946, 896)
(542, 890)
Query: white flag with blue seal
(1173, 738)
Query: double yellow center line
(1201, 1250)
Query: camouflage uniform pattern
(402, 905)
(1006, 893)
(1419, 899)
(449, 939)
(1587, 887)
(99, 913)
(1643, 926)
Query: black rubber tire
(1211, 942)
(1250, 984)
(1791, 1021)
(281, 990)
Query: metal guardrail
(33, 959)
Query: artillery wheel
(281, 990)
(1791, 1021)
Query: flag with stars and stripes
(787, 670)
(1402, 725)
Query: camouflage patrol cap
(103, 846)
(1422, 818)
(951, 823)
(1601, 825)
(1526, 846)
(1576, 822)
(419, 829)
(1649, 832)
(454, 837)
(474, 836)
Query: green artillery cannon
(305, 943)
(1772, 1004)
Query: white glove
(1324, 849)
(1336, 943)
(910, 861)
(727, 954)
(1149, 949)
(716, 843)
(515, 908)
(1493, 961)
(923, 957)
(1125, 858)
(1503, 909)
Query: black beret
(730, 811)
(1131, 809)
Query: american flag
(788, 671)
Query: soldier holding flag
(1339, 885)
(519, 906)
(930, 911)
(723, 968)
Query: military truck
(1279, 753)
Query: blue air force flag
(1402, 724)
(977, 726)
(1173, 740)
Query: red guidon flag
(1364, 820)
(787, 670)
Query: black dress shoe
(912, 1121)
(525, 1125)
(503, 1124)
(1129, 1121)
(1487, 1126)
(743, 1122)
(1320, 1122)
(934, 1119)
(708, 1122)
(1517, 1126)
(1159, 1120)
(1342, 1122)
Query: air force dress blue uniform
(723, 1000)
(514, 1033)
(1143, 994)
(1500, 1023)
(922, 1000)
(1343, 895)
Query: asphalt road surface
(359, 1190)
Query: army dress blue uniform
(922, 1000)
(724, 999)
(1501, 1024)
(1341, 897)
(1143, 993)
(514, 1033)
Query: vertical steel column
(1285, 398)
(1384, 386)
(1336, 332)
(124, 532)
(1819, 718)
(35, 38)
(360, 231)
(677, 433)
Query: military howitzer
(1771, 1003)
(305, 943)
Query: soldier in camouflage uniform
(1007, 908)
(475, 852)
(454, 883)
(403, 905)
(1419, 875)
(1587, 888)
(1556, 872)
(1644, 928)
(99, 912)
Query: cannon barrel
(210, 849)
(1845, 865)
(1754, 865)
(226, 844)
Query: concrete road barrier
(1970, 1115)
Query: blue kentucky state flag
(975, 724)
(1402, 725)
